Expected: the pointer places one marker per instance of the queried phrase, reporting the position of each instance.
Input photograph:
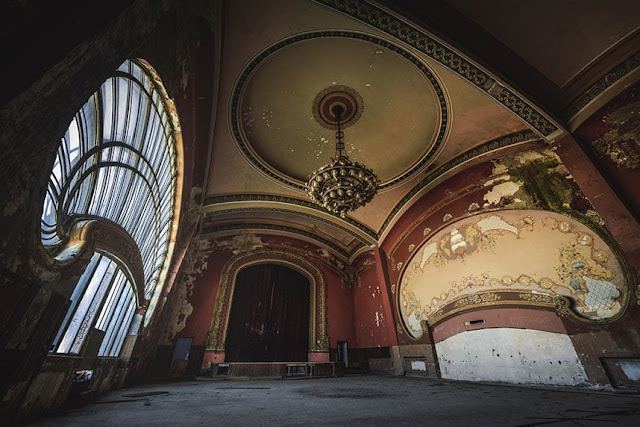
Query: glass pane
(124, 125)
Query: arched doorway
(269, 317)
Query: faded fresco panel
(540, 254)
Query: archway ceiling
(272, 142)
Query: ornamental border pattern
(420, 40)
(488, 299)
(305, 214)
(601, 85)
(253, 65)
(230, 198)
(318, 339)
(274, 227)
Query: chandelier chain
(342, 185)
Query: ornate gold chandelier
(342, 185)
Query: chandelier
(342, 185)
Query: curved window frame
(119, 162)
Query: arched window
(104, 285)
(116, 163)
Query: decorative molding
(490, 299)
(563, 306)
(101, 235)
(318, 339)
(601, 85)
(233, 198)
(537, 298)
(274, 227)
(289, 211)
(249, 69)
(487, 147)
(420, 40)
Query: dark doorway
(269, 319)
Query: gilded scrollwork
(536, 298)
(476, 299)
(563, 305)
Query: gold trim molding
(318, 339)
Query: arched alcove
(513, 257)
(269, 316)
(317, 325)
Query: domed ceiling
(424, 112)
(400, 105)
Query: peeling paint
(245, 242)
(194, 264)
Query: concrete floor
(357, 400)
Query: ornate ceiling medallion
(337, 95)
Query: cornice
(602, 84)
(346, 255)
(436, 50)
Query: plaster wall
(340, 310)
(511, 355)
(373, 329)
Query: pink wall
(203, 297)
(373, 325)
(340, 310)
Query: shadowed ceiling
(425, 106)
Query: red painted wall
(203, 293)
(615, 122)
(373, 326)
(340, 310)
(519, 318)
(203, 298)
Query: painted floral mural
(536, 254)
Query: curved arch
(514, 257)
(95, 234)
(120, 159)
(318, 339)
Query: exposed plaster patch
(195, 263)
(497, 180)
(379, 319)
(520, 356)
(506, 189)
(241, 243)
(499, 168)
